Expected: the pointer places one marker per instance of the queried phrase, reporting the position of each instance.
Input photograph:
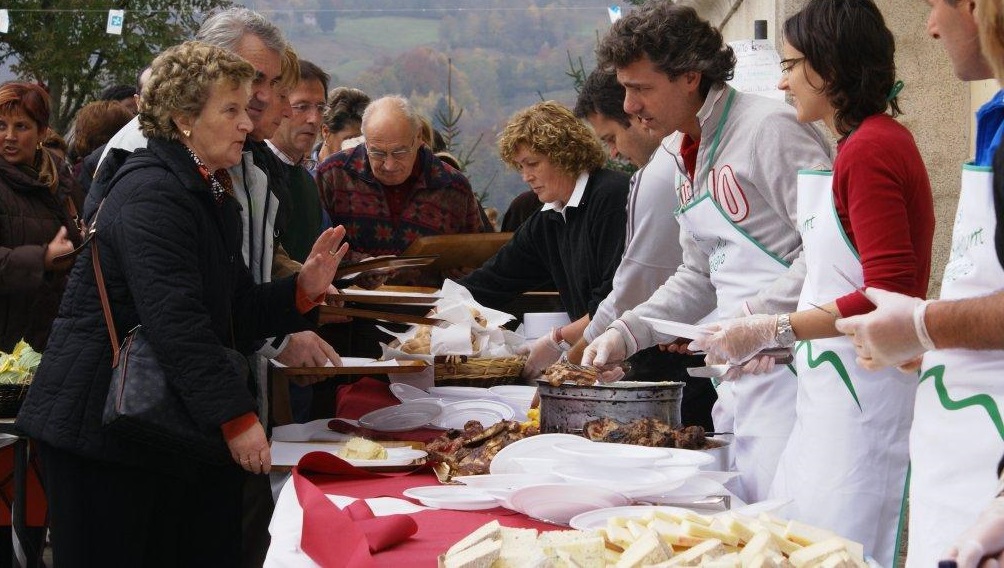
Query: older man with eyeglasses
(392, 189)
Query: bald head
(391, 127)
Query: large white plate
(676, 457)
(402, 417)
(456, 497)
(693, 489)
(290, 453)
(598, 519)
(506, 481)
(559, 503)
(459, 393)
(522, 392)
(539, 446)
(634, 482)
(405, 392)
(675, 328)
(612, 455)
(487, 412)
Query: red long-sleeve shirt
(883, 199)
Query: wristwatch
(558, 339)
(783, 333)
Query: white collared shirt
(280, 154)
(573, 201)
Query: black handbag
(141, 405)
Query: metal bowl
(567, 407)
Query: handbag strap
(102, 291)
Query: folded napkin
(339, 538)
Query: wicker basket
(460, 370)
(11, 397)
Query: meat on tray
(651, 432)
(470, 451)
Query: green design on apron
(834, 360)
(950, 404)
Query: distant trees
(63, 45)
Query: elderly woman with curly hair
(575, 240)
(168, 233)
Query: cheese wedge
(727, 561)
(481, 555)
(705, 551)
(647, 550)
(805, 535)
(705, 532)
(490, 531)
(817, 552)
(585, 553)
(761, 543)
(738, 525)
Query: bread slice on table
(481, 555)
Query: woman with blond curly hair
(575, 240)
(169, 240)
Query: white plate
(456, 497)
(693, 489)
(634, 482)
(675, 328)
(395, 456)
(459, 393)
(685, 458)
(598, 519)
(559, 503)
(403, 417)
(405, 392)
(506, 481)
(612, 455)
(487, 412)
(539, 446)
(522, 392)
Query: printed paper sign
(115, 20)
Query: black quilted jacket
(171, 259)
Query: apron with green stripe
(846, 463)
(958, 435)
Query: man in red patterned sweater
(391, 189)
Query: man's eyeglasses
(381, 156)
(788, 64)
(301, 108)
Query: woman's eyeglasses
(788, 64)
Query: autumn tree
(63, 45)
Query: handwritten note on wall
(758, 68)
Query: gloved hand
(983, 540)
(758, 365)
(736, 340)
(608, 348)
(541, 354)
(888, 335)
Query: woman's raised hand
(321, 265)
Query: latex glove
(737, 340)
(250, 450)
(984, 540)
(307, 349)
(886, 336)
(606, 349)
(542, 354)
(322, 263)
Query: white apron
(845, 466)
(764, 405)
(958, 434)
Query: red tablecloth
(437, 529)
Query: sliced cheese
(739, 526)
(647, 550)
(584, 553)
(705, 532)
(805, 535)
(489, 531)
(727, 561)
(761, 543)
(672, 534)
(817, 552)
(480, 555)
(707, 550)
